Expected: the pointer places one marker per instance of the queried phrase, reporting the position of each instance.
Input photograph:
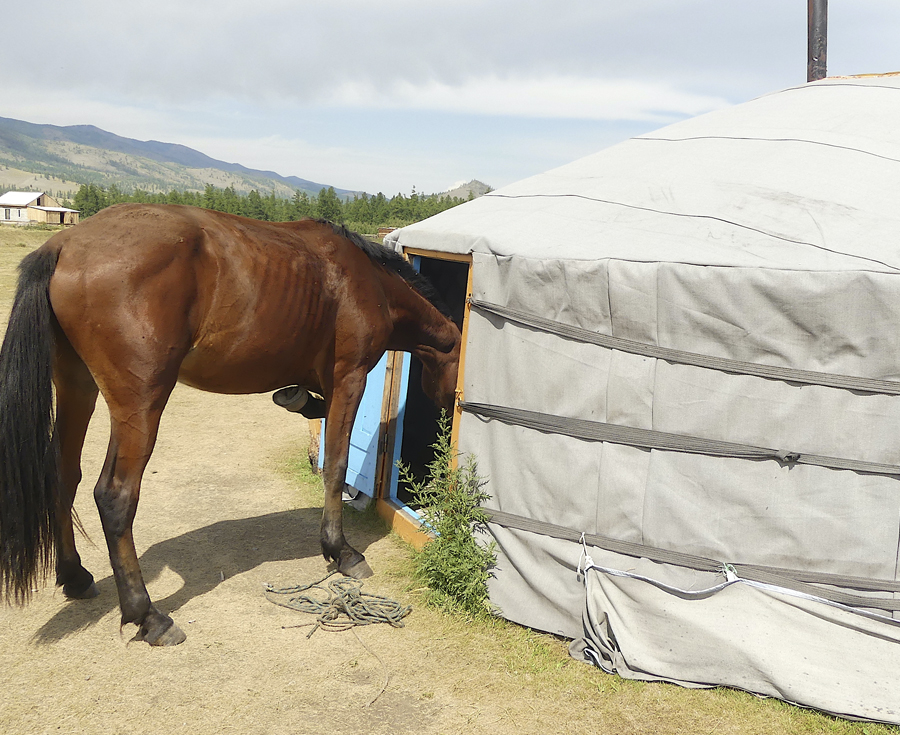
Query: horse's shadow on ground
(204, 556)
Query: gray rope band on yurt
(794, 579)
(789, 375)
(649, 439)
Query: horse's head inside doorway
(439, 378)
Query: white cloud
(566, 97)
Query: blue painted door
(362, 460)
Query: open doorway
(409, 419)
(420, 417)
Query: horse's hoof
(159, 630)
(292, 398)
(86, 593)
(297, 399)
(360, 570)
(172, 636)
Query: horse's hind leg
(76, 396)
(134, 418)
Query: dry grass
(30, 236)
(15, 243)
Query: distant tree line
(363, 212)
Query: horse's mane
(393, 261)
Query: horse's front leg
(342, 408)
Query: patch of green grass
(306, 475)
(366, 520)
(41, 227)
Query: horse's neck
(419, 328)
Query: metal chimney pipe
(817, 39)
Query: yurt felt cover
(712, 496)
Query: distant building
(32, 207)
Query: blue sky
(391, 95)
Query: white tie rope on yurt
(795, 579)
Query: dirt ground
(220, 515)
(216, 521)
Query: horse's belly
(218, 372)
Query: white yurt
(680, 379)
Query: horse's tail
(29, 451)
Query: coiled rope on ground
(339, 606)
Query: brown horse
(139, 297)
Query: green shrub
(454, 566)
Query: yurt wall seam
(897, 565)
(769, 140)
(837, 84)
(830, 82)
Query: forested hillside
(362, 212)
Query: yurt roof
(806, 179)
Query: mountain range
(59, 160)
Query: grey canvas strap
(791, 375)
(649, 439)
(794, 579)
